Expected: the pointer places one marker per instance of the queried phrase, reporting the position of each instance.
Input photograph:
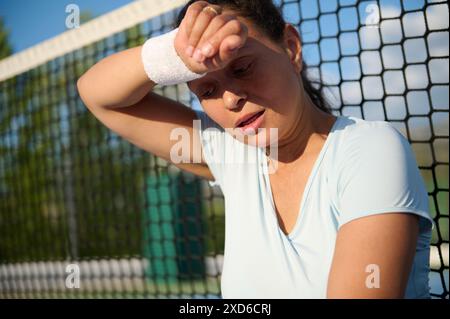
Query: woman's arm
(373, 257)
(117, 90)
(116, 81)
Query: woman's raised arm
(118, 89)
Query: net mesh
(76, 197)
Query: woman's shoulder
(354, 133)
(356, 127)
(369, 143)
(375, 170)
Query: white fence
(107, 275)
(118, 275)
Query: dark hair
(268, 18)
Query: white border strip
(90, 32)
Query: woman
(328, 207)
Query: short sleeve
(378, 174)
(212, 137)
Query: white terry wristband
(162, 63)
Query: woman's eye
(240, 71)
(208, 93)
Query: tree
(67, 188)
(86, 16)
(5, 46)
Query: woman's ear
(293, 46)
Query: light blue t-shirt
(364, 168)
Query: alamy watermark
(373, 16)
(265, 138)
(73, 17)
(373, 279)
(73, 278)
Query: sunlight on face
(261, 77)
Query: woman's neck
(306, 137)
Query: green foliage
(69, 187)
(5, 46)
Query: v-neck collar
(315, 169)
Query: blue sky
(31, 21)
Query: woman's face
(262, 77)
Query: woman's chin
(262, 137)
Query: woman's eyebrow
(241, 56)
(243, 53)
(248, 46)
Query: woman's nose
(234, 100)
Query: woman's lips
(252, 127)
